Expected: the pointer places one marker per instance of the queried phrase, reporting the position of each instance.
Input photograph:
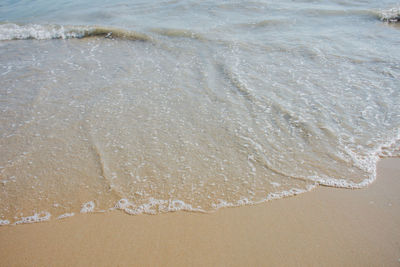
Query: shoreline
(327, 226)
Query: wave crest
(11, 31)
(391, 15)
(179, 33)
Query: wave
(156, 206)
(264, 23)
(11, 31)
(391, 15)
(337, 12)
(180, 33)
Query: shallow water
(191, 105)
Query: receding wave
(391, 15)
(11, 31)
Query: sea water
(155, 106)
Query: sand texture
(326, 227)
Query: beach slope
(326, 227)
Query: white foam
(271, 196)
(4, 222)
(275, 184)
(390, 15)
(289, 193)
(65, 215)
(88, 207)
(176, 205)
(154, 206)
(123, 203)
(37, 217)
(341, 183)
(221, 204)
(367, 163)
(10, 31)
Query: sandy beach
(326, 227)
(199, 133)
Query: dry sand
(326, 227)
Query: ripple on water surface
(172, 118)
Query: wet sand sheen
(330, 227)
(215, 130)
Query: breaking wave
(11, 31)
(391, 15)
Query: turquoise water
(160, 106)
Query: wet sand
(326, 227)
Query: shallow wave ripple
(11, 31)
(240, 104)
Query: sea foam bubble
(4, 222)
(37, 217)
(65, 215)
(154, 206)
(88, 207)
(390, 15)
